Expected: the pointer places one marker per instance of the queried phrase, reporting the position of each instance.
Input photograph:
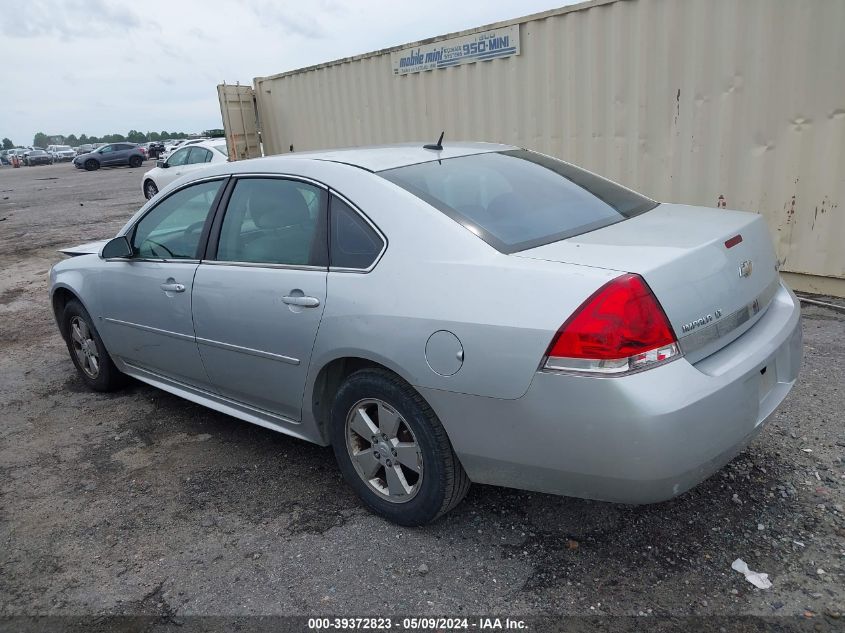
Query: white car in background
(184, 160)
(169, 149)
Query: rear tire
(439, 482)
(87, 351)
(91, 165)
(150, 189)
(135, 161)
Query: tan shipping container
(711, 102)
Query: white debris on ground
(756, 578)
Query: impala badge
(745, 268)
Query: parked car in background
(440, 315)
(155, 149)
(61, 153)
(15, 156)
(111, 155)
(183, 161)
(183, 143)
(37, 157)
(4, 158)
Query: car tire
(439, 483)
(91, 165)
(87, 350)
(150, 189)
(135, 161)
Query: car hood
(85, 155)
(89, 248)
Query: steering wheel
(196, 226)
(156, 244)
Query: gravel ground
(142, 503)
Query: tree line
(133, 136)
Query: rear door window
(274, 221)
(516, 200)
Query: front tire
(91, 165)
(393, 451)
(150, 189)
(87, 351)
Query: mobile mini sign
(477, 47)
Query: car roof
(381, 157)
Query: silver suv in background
(61, 153)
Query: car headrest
(273, 208)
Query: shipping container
(710, 102)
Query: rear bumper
(642, 438)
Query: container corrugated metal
(709, 102)
(238, 109)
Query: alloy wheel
(84, 347)
(384, 450)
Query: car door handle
(173, 287)
(305, 302)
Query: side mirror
(118, 247)
(162, 163)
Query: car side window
(172, 229)
(269, 221)
(198, 155)
(106, 149)
(352, 243)
(179, 157)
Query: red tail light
(620, 328)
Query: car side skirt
(220, 403)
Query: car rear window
(517, 199)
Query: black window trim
(372, 225)
(209, 255)
(201, 245)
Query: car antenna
(438, 145)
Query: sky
(107, 66)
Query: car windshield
(62, 148)
(221, 149)
(516, 200)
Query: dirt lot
(143, 503)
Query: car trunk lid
(714, 271)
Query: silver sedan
(442, 315)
